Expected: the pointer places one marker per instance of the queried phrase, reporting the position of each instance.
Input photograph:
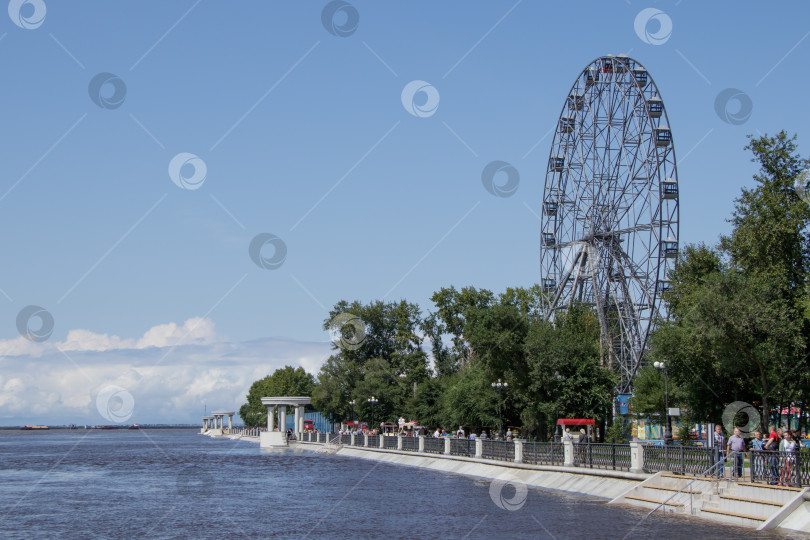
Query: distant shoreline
(98, 427)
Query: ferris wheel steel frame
(610, 211)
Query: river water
(179, 484)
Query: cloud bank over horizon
(171, 374)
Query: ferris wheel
(609, 223)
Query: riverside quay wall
(665, 479)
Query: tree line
(738, 330)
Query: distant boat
(30, 427)
(134, 426)
(106, 427)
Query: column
(479, 448)
(282, 420)
(301, 419)
(447, 445)
(351, 439)
(297, 422)
(270, 419)
(365, 440)
(399, 442)
(382, 441)
(636, 457)
(230, 422)
(518, 451)
(568, 452)
(421, 443)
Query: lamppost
(373, 401)
(499, 386)
(668, 431)
(351, 404)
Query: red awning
(576, 422)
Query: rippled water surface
(179, 484)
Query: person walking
(736, 448)
(719, 445)
(460, 432)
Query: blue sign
(623, 403)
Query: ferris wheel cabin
(663, 286)
(549, 284)
(549, 240)
(556, 164)
(567, 124)
(550, 208)
(655, 107)
(669, 189)
(590, 76)
(576, 102)
(640, 75)
(669, 248)
(662, 136)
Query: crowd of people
(437, 433)
(773, 458)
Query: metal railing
(410, 444)
(500, 450)
(434, 445)
(781, 468)
(359, 440)
(390, 442)
(373, 441)
(543, 453)
(602, 456)
(345, 439)
(462, 447)
(690, 460)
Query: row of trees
(738, 331)
(739, 323)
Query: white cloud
(173, 373)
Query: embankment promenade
(616, 473)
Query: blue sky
(304, 136)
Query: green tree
(566, 379)
(380, 354)
(286, 381)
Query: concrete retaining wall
(596, 483)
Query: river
(179, 484)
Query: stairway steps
(769, 486)
(733, 514)
(749, 500)
(652, 501)
(674, 489)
